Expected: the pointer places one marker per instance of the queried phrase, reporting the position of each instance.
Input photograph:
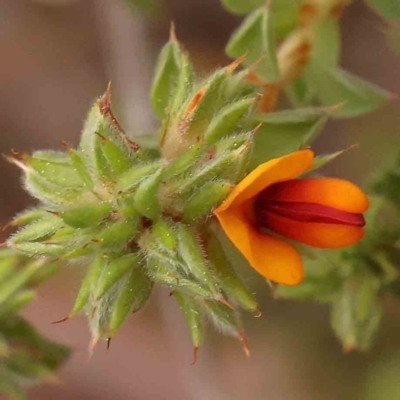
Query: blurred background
(56, 58)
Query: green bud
(86, 216)
(48, 192)
(191, 253)
(227, 276)
(29, 216)
(165, 76)
(92, 125)
(133, 177)
(230, 143)
(54, 167)
(212, 170)
(184, 84)
(204, 200)
(132, 297)
(238, 86)
(172, 279)
(181, 164)
(192, 315)
(209, 100)
(118, 158)
(165, 235)
(36, 249)
(88, 285)
(113, 272)
(39, 229)
(80, 167)
(225, 122)
(118, 233)
(146, 199)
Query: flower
(321, 212)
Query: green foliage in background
(26, 357)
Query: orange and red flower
(321, 212)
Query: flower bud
(132, 178)
(165, 75)
(131, 298)
(88, 285)
(86, 216)
(225, 122)
(193, 317)
(191, 253)
(113, 272)
(146, 199)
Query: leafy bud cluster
(138, 217)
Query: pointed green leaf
(286, 131)
(334, 86)
(256, 38)
(165, 76)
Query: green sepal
(210, 101)
(88, 285)
(158, 272)
(223, 317)
(204, 200)
(131, 298)
(216, 168)
(255, 38)
(227, 277)
(184, 85)
(38, 229)
(28, 216)
(192, 314)
(86, 216)
(184, 162)
(242, 7)
(145, 199)
(117, 234)
(48, 192)
(113, 272)
(55, 167)
(134, 176)
(119, 158)
(37, 249)
(191, 253)
(225, 122)
(80, 167)
(165, 234)
(165, 76)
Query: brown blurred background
(56, 58)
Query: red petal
(332, 192)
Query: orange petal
(315, 234)
(337, 193)
(276, 170)
(271, 257)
